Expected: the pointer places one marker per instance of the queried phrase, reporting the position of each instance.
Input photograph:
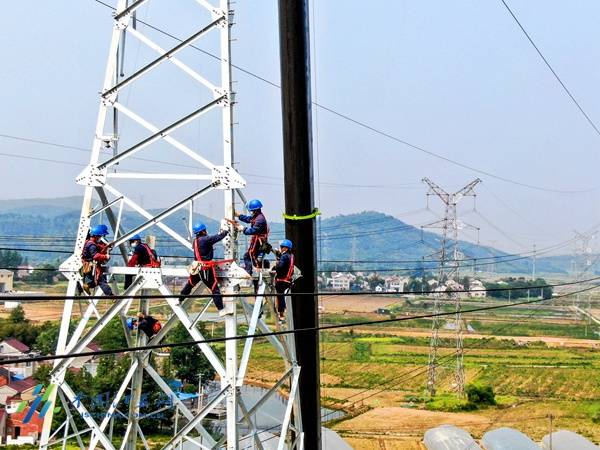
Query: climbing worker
(94, 258)
(148, 324)
(204, 266)
(131, 323)
(259, 241)
(283, 272)
(142, 256)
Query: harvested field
(355, 303)
(392, 427)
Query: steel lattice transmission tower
(448, 270)
(103, 195)
(582, 259)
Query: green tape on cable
(310, 216)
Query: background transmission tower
(582, 260)
(448, 278)
(112, 183)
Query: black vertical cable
(296, 105)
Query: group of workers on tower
(96, 254)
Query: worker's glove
(239, 227)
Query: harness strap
(207, 264)
(290, 272)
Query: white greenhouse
(507, 439)
(567, 440)
(449, 437)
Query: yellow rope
(312, 215)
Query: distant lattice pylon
(448, 279)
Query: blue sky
(456, 78)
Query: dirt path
(406, 422)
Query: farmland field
(539, 361)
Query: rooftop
(22, 385)
(16, 344)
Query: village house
(11, 348)
(395, 283)
(341, 281)
(89, 363)
(6, 280)
(13, 430)
(477, 289)
(16, 390)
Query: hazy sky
(457, 78)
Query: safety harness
(154, 260)
(257, 239)
(290, 273)
(208, 265)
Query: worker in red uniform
(94, 258)
(205, 269)
(259, 237)
(142, 256)
(284, 272)
(148, 324)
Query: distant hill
(365, 236)
(45, 207)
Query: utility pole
(551, 418)
(534, 261)
(449, 262)
(299, 202)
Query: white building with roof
(6, 280)
(477, 289)
(11, 348)
(341, 281)
(395, 283)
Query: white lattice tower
(103, 197)
(582, 259)
(448, 270)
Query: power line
(37, 298)
(272, 333)
(365, 125)
(539, 52)
(169, 163)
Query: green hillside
(365, 236)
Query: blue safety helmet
(286, 243)
(99, 230)
(254, 204)
(198, 228)
(135, 237)
(130, 322)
